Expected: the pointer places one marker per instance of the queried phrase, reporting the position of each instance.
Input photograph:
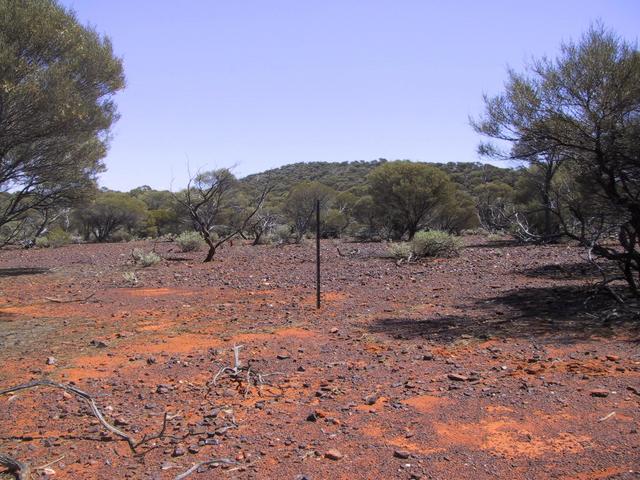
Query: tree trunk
(210, 254)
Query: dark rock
(401, 454)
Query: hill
(343, 176)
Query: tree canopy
(583, 109)
(57, 81)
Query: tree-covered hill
(343, 176)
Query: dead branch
(133, 444)
(235, 372)
(21, 470)
(42, 467)
(70, 300)
(204, 464)
(351, 253)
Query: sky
(256, 84)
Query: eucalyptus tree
(57, 84)
(582, 107)
(215, 208)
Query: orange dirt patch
(510, 438)
(426, 403)
(376, 431)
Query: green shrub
(42, 242)
(121, 236)
(400, 250)
(190, 241)
(131, 278)
(58, 237)
(435, 243)
(145, 259)
(278, 236)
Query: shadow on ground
(562, 314)
(496, 244)
(573, 271)
(15, 272)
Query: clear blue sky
(259, 84)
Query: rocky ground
(489, 365)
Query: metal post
(317, 253)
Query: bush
(400, 251)
(58, 237)
(146, 259)
(121, 236)
(435, 243)
(278, 236)
(494, 237)
(42, 242)
(131, 278)
(190, 241)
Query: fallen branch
(133, 444)
(606, 417)
(71, 300)
(195, 467)
(46, 465)
(351, 253)
(21, 470)
(236, 371)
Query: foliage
(109, 212)
(57, 237)
(582, 110)
(495, 202)
(435, 243)
(279, 235)
(300, 205)
(190, 241)
(407, 196)
(130, 278)
(458, 212)
(57, 82)
(214, 200)
(145, 259)
(42, 242)
(400, 250)
(334, 223)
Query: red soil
(375, 364)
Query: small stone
(371, 399)
(178, 451)
(283, 356)
(533, 370)
(401, 454)
(99, 343)
(162, 389)
(193, 449)
(51, 361)
(333, 330)
(312, 417)
(333, 454)
(613, 358)
(457, 378)
(599, 393)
